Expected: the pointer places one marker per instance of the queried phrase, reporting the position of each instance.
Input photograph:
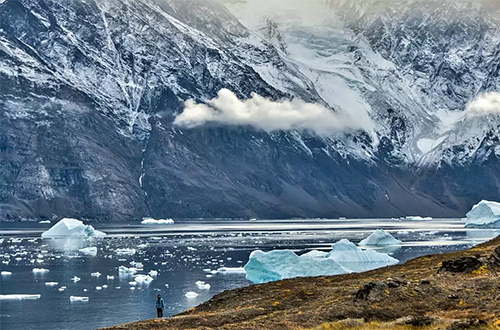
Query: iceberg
(191, 295)
(348, 255)
(71, 228)
(90, 251)
(125, 252)
(143, 279)
(485, 214)
(40, 270)
(151, 221)
(202, 285)
(379, 238)
(124, 271)
(20, 296)
(76, 298)
(345, 257)
(229, 270)
(276, 265)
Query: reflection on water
(182, 254)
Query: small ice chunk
(20, 296)
(90, 251)
(125, 251)
(40, 270)
(122, 270)
(76, 298)
(202, 285)
(151, 221)
(5, 273)
(379, 238)
(191, 295)
(231, 270)
(417, 217)
(143, 279)
(72, 228)
(485, 214)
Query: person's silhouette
(159, 306)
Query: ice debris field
(76, 269)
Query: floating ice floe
(151, 221)
(71, 228)
(76, 298)
(40, 270)
(143, 279)
(5, 273)
(191, 295)
(485, 214)
(124, 271)
(125, 251)
(417, 217)
(89, 251)
(20, 296)
(229, 270)
(202, 285)
(379, 238)
(345, 257)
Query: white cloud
(268, 115)
(484, 104)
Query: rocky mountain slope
(90, 90)
(451, 291)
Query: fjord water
(183, 254)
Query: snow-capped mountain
(89, 91)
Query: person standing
(159, 306)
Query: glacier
(345, 257)
(379, 238)
(484, 214)
(71, 228)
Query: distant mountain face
(89, 91)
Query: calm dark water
(182, 254)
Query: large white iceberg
(484, 214)
(71, 228)
(379, 238)
(345, 257)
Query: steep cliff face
(89, 90)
